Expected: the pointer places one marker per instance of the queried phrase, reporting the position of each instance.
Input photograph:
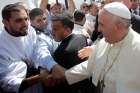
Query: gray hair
(125, 22)
(117, 20)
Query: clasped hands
(56, 76)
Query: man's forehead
(56, 5)
(41, 17)
(19, 11)
(18, 14)
(57, 23)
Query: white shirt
(14, 51)
(123, 76)
(90, 22)
(78, 29)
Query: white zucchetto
(118, 9)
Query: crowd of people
(56, 48)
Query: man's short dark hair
(78, 15)
(65, 19)
(35, 12)
(6, 11)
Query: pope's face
(106, 26)
(17, 23)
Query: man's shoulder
(78, 39)
(135, 17)
(135, 21)
(79, 36)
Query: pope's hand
(85, 52)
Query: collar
(8, 35)
(66, 39)
(38, 31)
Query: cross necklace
(107, 66)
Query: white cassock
(13, 52)
(118, 63)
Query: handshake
(56, 76)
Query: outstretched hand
(85, 52)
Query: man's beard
(18, 34)
(22, 32)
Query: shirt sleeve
(77, 73)
(11, 74)
(42, 56)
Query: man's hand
(57, 76)
(58, 73)
(44, 73)
(44, 76)
(49, 81)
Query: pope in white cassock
(116, 59)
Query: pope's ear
(5, 22)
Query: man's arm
(28, 82)
(32, 80)
(43, 4)
(77, 73)
(58, 73)
(12, 73)
(71, 6)
(43, 58)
